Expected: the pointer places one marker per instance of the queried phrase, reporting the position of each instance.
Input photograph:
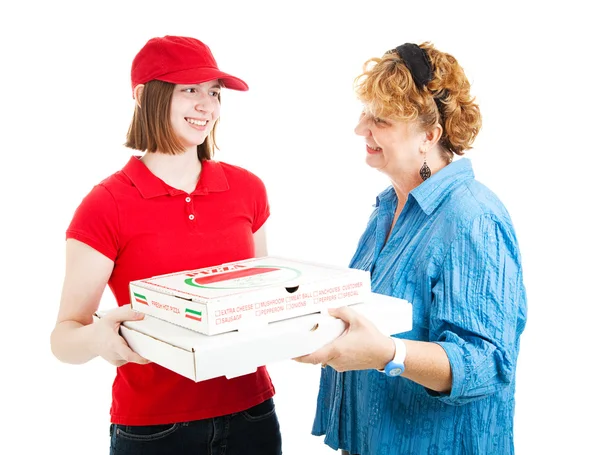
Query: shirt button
(191, 217)
(188, 199)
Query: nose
(362, 128)
(203, 103)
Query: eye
(190, 90)
(379, 122)
(214, 93)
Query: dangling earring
(425, 172)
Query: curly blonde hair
(388, 90)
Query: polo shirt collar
(212, 179)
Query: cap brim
(199, 75)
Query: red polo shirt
(149, 228)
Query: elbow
(55, 345)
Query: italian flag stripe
(140, 298)
(193, 314)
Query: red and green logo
(193, 314)
(140, 298)
(247, 277)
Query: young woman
(171, 209)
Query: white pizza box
(249, 293)
(200, 357)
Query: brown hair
(150, 129)
(388, 90)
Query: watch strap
(395, 367)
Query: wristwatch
(395, 367)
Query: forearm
(427, 364)
(71, 342)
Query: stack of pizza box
(229, 319)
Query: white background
(66, 106)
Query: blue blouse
(453, 254)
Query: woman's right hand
(106, 342)
(77, 337)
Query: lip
(198, 127)
(372, 151)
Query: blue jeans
(251, 432)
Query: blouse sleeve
(479, 310)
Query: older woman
(443, 241)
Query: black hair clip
(417, 62)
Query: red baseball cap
(179, 60)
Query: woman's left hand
(361, 347)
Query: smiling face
(194, 110)
(392, 146)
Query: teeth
(197, 122)
(377, 149)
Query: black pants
(251, 432)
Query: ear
(137, 94)
(432, 137)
